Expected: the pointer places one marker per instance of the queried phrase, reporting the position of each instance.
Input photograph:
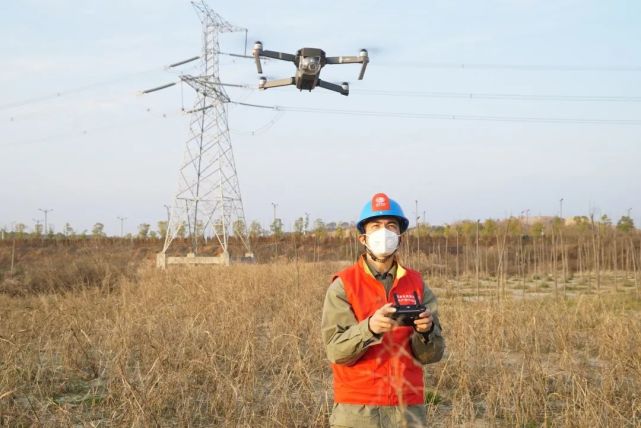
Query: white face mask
(382, 242)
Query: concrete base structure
(162, 260)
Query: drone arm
(344, 59)
(270, 54)
(277, 55)
(343, 90)
(361, 58)
(258, 52)
(265, 84)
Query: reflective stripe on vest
(386, 374)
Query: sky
(77, 137)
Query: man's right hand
(380, 322)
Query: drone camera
(311, 64)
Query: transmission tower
(208, 201)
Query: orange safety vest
(386, 374)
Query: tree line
(146, 231)
(549, 248)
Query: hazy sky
(76, 137)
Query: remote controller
(406, 314)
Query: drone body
(308, 62)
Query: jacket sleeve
(345, 339)
(428, 348)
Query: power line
(490, 66)
(365, 113)
(90, 86)
(378, 92)
(513, 67)
(263, 128)
(442, 116)
(118, 126)
(236, 55)
(120, 98)
(70, 91)
(282, 109)
(500, 96)
(257, 105)
(83, 106)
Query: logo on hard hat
(380, 202)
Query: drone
(309, 62)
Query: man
(377, 363)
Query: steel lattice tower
(208, 201)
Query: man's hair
(389, 217)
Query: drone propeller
(358, 44)
(375, 50)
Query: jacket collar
(400, 270)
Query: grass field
(240, 346)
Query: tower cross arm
(205, 85)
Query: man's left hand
(424, 322)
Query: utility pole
(46, 211)
(37, 222)
(424, 219)
(563, 259)
(478, 282)
(561, 208)
(274, 205)
(418, 232)
(122, 222)
(208, 200)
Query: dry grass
(241, 347)
(51, 270)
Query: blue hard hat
(381, 206)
